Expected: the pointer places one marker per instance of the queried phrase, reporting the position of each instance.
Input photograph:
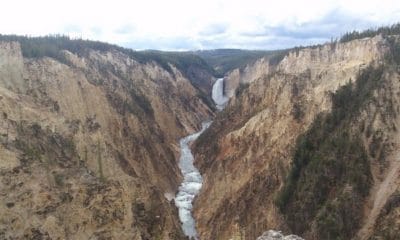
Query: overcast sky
(201, 24)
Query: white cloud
(188, 24)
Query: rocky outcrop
(245, 156)
(89, 146)
(326, 61)
(246, 75)
(11, 67)
(274, 235)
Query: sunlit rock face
(92, 145)
(248, 150)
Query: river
(192, 180)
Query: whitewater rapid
(190, 187)
(192, 180)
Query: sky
(202, 24)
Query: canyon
(102, 142)
(90, 145)
(246, 155)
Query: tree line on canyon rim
(226, 59)
(53, 45)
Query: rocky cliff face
(243, 76)
(329, 59)
(247, 155)
(89, 146)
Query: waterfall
(217, 94)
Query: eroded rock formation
(247, 154)
(89, 147)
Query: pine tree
(99, 161)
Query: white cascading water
(192, 180)
(217, 94)
(190, 187)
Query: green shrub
(393, 55)
(59, 179)
(241, 88)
